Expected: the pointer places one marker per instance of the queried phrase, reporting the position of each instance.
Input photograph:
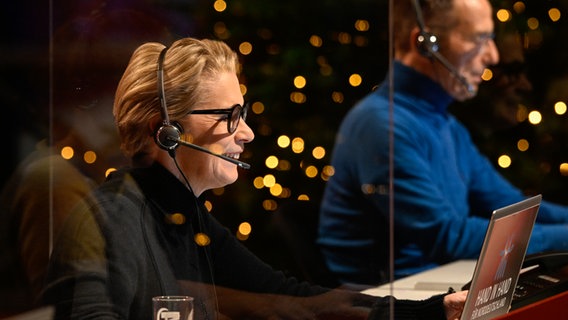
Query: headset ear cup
(420, 46)
(178, 126)
(166, 137)
(426, 43)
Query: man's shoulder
(372, 106)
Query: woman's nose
(244, 132)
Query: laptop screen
(499, 264)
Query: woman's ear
(154, 125)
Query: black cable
(201, 227)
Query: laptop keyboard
(539, 284)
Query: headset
(427, 45)
(426, 42)
(168, 135)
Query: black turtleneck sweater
(135, 239)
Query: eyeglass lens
(238, 113)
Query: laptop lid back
(500, 261)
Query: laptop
(498, 267)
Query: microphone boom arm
(196, 147)
(452, 70)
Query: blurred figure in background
(499, 100)
(443, 189)
(80, 145)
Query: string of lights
(305, 64)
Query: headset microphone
(168, 135)
(428, 46)
(453, 71)
(200, 148)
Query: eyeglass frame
(242, 113)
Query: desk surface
(428, 283)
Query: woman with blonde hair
(181, 118)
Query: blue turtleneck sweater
(444, 189)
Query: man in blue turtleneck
(443, 189)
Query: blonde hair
(190, 68)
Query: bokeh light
(245, 48)
(269, 180)
(271, 162)
(519, 7)
(276, 190)
(362, 25)
(503, 15)
(504, 161)
(298, 97)
(535, 117)
(564, 169)
(316, 41)
(109, 171)
(201, 239)
(283, 141)
(355, 80)
(560, 107)
(487, 74)
(533, 23)
(90, 157)
(318, 152)
(208, 205)
(311, 171)
(298, 145)
(344, 38)
(243, 231)
(257, 107)
(67, 152)
(337, 97)
(269, 205)
(554, 14)
(299, 82)
(523, 145)
(176, 218)
(219, 5)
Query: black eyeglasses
(233, 115)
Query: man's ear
(413, 52)
(413, 39)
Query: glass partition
(304, 66)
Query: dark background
(279, 32)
